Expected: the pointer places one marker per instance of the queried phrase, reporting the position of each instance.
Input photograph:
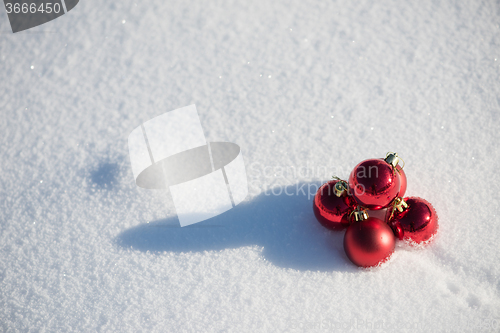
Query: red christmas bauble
(398, 231)
(374, 183)
(331, 210)
(402, 179)
(368, 243)
(419, 222)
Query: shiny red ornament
(419, 221)
(398, 231)
(374, 183)
(368, 243)
(330, 209)
(402, 179)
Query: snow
(307, 90)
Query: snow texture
(307, 89)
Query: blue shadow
(284, 225)
(104, 176)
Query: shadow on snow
(284, 225)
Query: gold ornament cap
(392, 159)
(359, 214)
(400, 204)
(340, 188)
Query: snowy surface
(307, 89)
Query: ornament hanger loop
(403, 162)
(393, 159)
(360, 214)
(341, 187)
(398, 204)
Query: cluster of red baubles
(374, 185)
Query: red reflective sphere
(402, 179)
(369, 242)
(398, 231)
(419, 221)
(374, 183)
(330, 210)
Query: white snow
(307, 89)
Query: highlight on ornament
(377, 184)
